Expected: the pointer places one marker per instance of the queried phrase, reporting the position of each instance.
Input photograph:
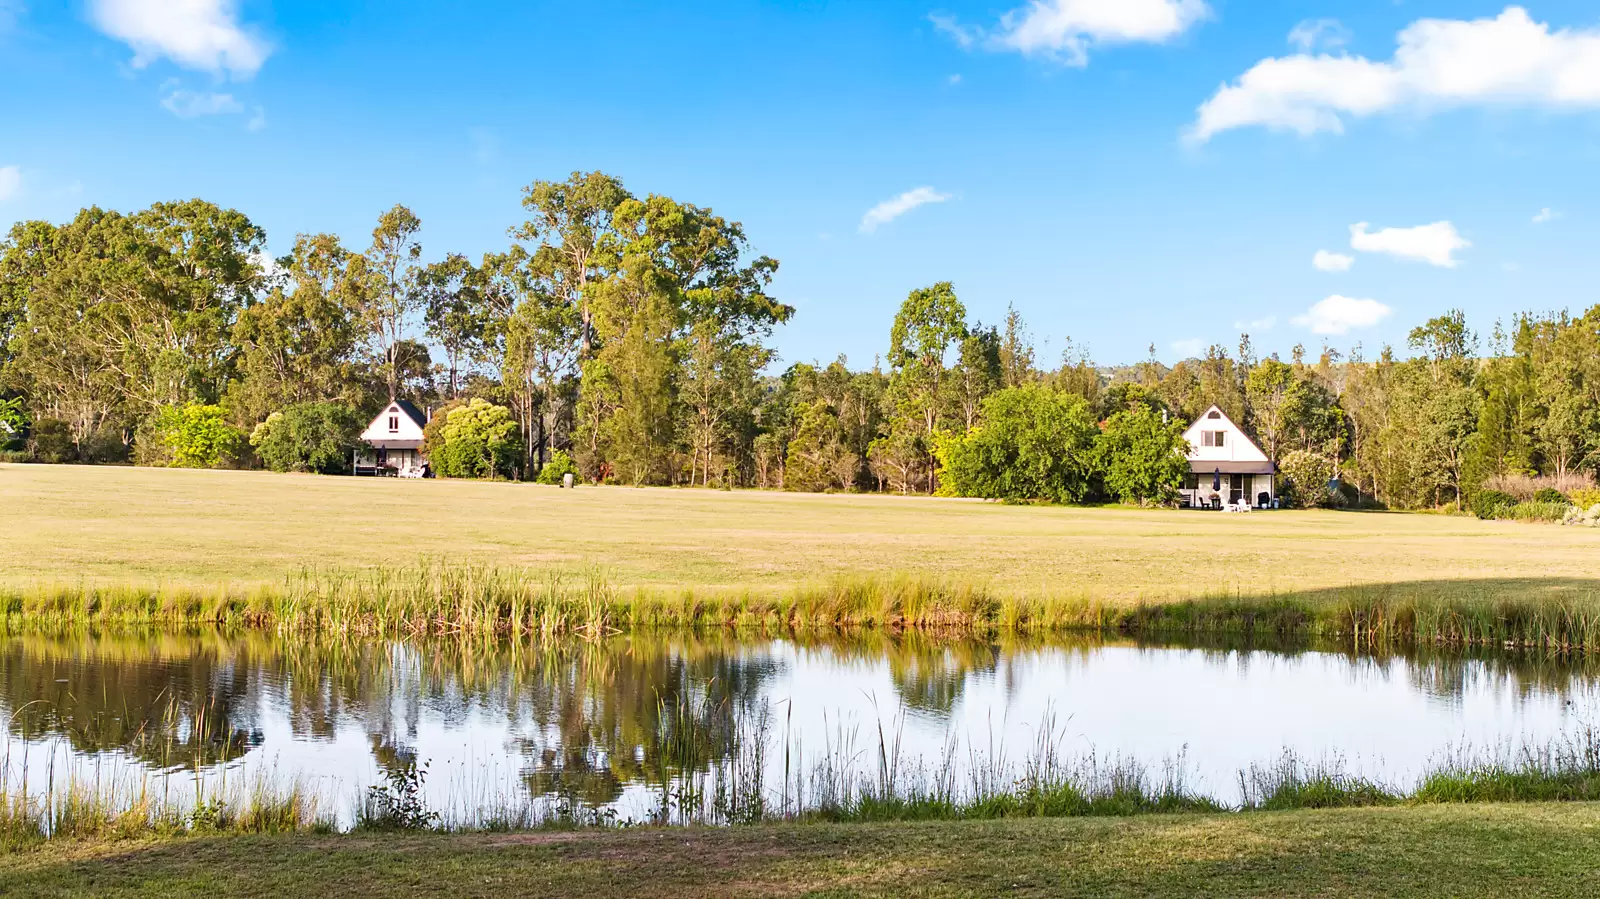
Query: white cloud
(195, 34)
(953, 80)
(1435, 244)
(1440, 63)
(1339, 315)
(10, 182)
(1546, 215)
(1192, 346)
(964, 35)
(1067, 29)
(1257, 324)
(190, 105)
(889, 210)
(1313, 34)
(1325, 261)
(258, 120)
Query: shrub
(479, 440)
(104, 444)
(192, 436)
(1585, 498)
(1550, 495)
(1141, 457)
(13, 424)
(1524, 486)
(1537, 511)
(316, 437)
(1491, 504)
(561, 463)
(1305, 477)
(1035, 443)
(52, 441)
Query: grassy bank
(450, 598)
(1488, 850)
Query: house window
(1214, 414)
(1213, 438)
(394, 424)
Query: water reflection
(587, 721)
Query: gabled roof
(410, 409)
(1206, 416)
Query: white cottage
(392, 444)
(1226, 467)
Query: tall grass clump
(445, 598)
(1568, 770)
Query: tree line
(625, 339)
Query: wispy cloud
(963, 35)
(1340, 315)
(10, 182)
(1439, 64)
(186, 104)
(1325, 261)
(1319, 34)
(1066, 30)
(1546, 215)
(1435, 244)
(258, 120)
(1257, 325)
(889, 210)
(1189, 346)
(11, 13)
(205, 35)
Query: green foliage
(52, 441)
(315, 437)
(13, 423)
(192, 436)
(1035, 444)
(479, 440)
(559, 465)
(1550, 495)
(1585, 498)
(1492, 504)
(1142, 457)
(1304, 478)
(1537, 511)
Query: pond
(603, 725)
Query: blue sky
(1126, 172)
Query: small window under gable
(1214, 414)
(1213, 438)
(394, 424)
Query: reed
(438, 597)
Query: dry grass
(68, 525)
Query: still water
(585, 723)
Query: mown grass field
(1502, 851)
(111, 525)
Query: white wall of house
(392, 425)
(1220, 451)
(1233, 444)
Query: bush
(1492, 504)
(193, 436)
(1538, 511)
(1305, 477)
(315, 437)
(1550, 495)
(52, 441)
(561, 463)
(1141, 457)
(1035, 443)
(13, 424)
(1585, 498)
(478, 440)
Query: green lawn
(65, 524)
(1482, 850)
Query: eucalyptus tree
(454, 312)
(929, 321)
(389, 274)
(568, 224)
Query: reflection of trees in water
(169, 702)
